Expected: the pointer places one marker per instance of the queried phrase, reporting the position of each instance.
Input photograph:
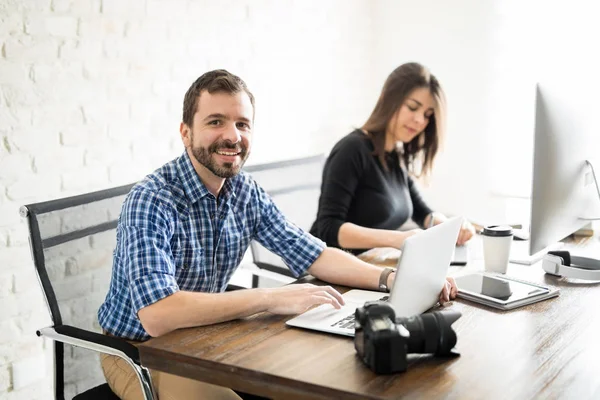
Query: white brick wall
(91, 94)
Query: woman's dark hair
(417, 155)
(218, 80)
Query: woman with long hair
(368, 190)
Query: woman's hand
(467, 230)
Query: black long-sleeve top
(356, 189)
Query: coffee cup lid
(497, 230)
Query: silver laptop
(421, 273)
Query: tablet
(501, 291)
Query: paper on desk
(387, 254)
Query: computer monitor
(565, 194)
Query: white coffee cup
(496, 247)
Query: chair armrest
(92, 341)
(231, 288)
(104, 344)
(274, 268)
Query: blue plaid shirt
(174, 235)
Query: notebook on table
(519, 252)
(459, 257)
(420, 276)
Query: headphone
(561, 263)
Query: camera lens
(431, 332)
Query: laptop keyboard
(345, 323)
(348, 322)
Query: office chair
(295, 186)
(71, 241)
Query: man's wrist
(390, 279)
(384, 279)
(266, 299)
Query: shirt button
(185, 266)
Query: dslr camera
(383, 341)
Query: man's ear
(186, 134)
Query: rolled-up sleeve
(146, 229)
(298, 248)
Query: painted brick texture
(91, 94)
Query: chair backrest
(295, 187)
(72, 240)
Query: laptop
(420, 275)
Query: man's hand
(297, 298)
(449, 290)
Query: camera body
(383, 341)
(378, 340)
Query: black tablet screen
(498, 288)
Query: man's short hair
(218, 80)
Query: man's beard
(205, 157)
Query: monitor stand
(591, 178)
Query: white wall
(91, 93)
(480, 53)
(455, 41)
(489, 56)
(551, 43)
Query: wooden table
(546, 350)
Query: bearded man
(184, 229)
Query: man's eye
(215, 122)
(243, 125)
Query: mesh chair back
(295, 187)
(72, 241)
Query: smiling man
(184, 229)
